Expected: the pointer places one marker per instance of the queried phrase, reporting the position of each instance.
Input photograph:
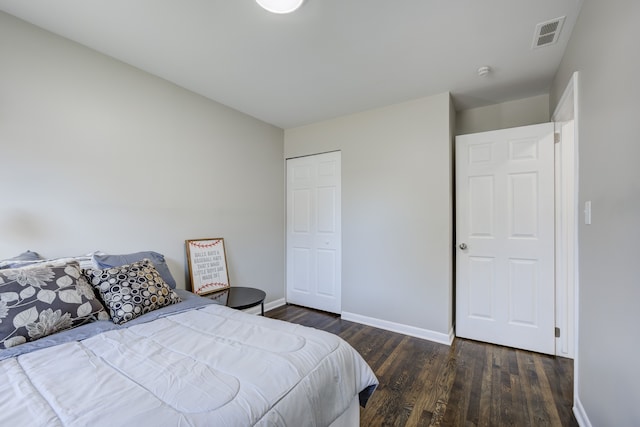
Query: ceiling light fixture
(280, 6)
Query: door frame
(567, 220)
(567, 109)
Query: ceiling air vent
(547, 33)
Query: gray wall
(603, 48)
(521, 112)
(396, 208)
(97, 155)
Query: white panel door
(505, 291)
(314, 245)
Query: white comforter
(212, 366)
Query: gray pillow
(41, 300)
(105, 261)
(25, 258)
(129, 291)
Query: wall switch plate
(587, 212)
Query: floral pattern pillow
(42, 300)
(131, 290)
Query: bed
(189, 362)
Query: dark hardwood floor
(468, 384)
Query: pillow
(41, 300)
(105, 261)
(129, 291)
(85, 261)
(23, 259)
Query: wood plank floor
(467, 384)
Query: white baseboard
(413, 331)
(580, 414)
(268, 306)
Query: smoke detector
(484, 70)
(547, 33)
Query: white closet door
(314, 245)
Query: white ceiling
(329, 58)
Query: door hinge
(556, 137)
(557, 332)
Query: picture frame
(207, 261)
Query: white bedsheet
(212, 366)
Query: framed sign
(207, 262)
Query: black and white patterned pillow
(37, 301)
(131, 290)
